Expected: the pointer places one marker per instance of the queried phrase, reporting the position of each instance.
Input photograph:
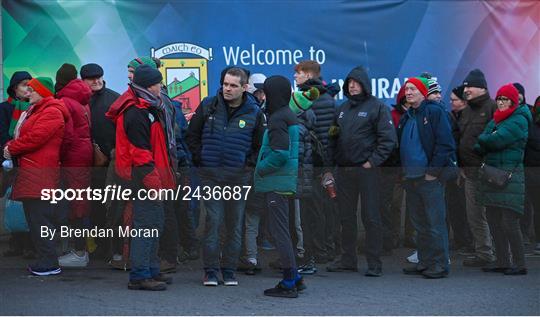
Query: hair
(157, 61)
(309, 66)
(238, 72)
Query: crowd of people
(472, 170)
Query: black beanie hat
(16, 78)
(64, 75)
(521, 90)
(146, 76)
(91, 71)
(475, 78)
(458, 91)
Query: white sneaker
(73, 260)
(413, 258)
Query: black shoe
(147, 285)
(42, 271)
(476, 262)
(374, 272)
(163, 278)
(434, 273)
(494, 269)
(516, 271)
(414, 269)
(308, 269)
(337, 266)
(281, 291)
(229, 279)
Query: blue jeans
(147, 214)
(427, 207)
(231, 214)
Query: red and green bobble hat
(43, 86)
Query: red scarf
(501, 115)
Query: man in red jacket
(142, 159)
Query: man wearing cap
(36, 146)
(224, 138)
(255, 83)
(426, 148)
(142, 158)
(474, 119)
(362, 137)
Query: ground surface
(98, 290)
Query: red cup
(330, 188)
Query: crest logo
(242, 124)
(186, 77)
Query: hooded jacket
(37, 148)
(102, 129)
(277, 165)
(141, 144)
(472, 122)
(77, 149)
(363, 128)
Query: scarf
(501, 115)
(19, 107)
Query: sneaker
(229, 279)
(338, 266)
(281, 291)
(516, 271)
(167, 267)
(308, 269)
(147, 285)
(413, 258)
(494, 269)
(374, 272)
(414, 269)
(119, 263)
(162, 278)
(476, 262)
(248, 266)
(40, 271)
(434, 273)
(72, 259)
(210, 279)
(267, 246)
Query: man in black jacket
(362, 138)
(320, 209)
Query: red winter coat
(141, 146)
(38, 148)
(77, 151)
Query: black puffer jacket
(532, 151)
(306, 123)
(362, 130)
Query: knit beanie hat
(146, 76)
(475, 79)
(458, 91)
(303, 100)
(521, 90)
(510, 92)
(143, 60)
(420, 83)
(64, 75)
(16, 79)
(433, 86)
(91, 71)
(43, 86)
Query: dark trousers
(316, 213)
(457, 215)
(533, 193)
(278, 224)
(351, 182)
(168, 241)
(425, 201)
(504, 226)
(390, 212)
(147, 214)
(186, 225)
(41, 214)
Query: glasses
(502, 99)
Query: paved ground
(98, 290)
